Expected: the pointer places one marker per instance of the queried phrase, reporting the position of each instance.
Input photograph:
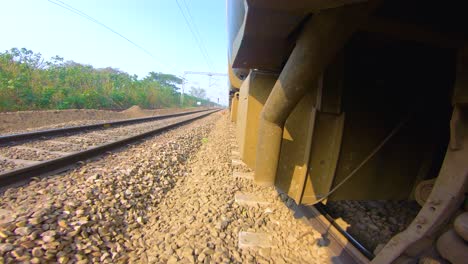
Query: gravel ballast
(374, 223)
(199, 220)
(94, 213)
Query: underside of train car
(357, 100)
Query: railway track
(348, 241)
(346, 236)
(345, 248)
(12, 137)
(30, 154)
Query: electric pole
(209, 74)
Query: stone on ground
(238, 162)
(254, 240)
(245, 175)
(249, 199)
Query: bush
(27, 82)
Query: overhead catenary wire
(198, 34)
(88, 17)
(205, 56)
(190, 23)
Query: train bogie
(355, 100)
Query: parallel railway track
(60, 131)
(34, 153)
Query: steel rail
(24, 173)
(59, 131)
(322, 209)
(343, 246)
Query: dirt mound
(134, 111)
(16, 121)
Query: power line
(86, 16)
(198, 33)
(194, 35)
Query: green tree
(168, 80)
(28, 82)
(198, 92)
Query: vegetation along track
(29, 154)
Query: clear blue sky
(156, 25)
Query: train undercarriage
(358, 101)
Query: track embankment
(21, 121)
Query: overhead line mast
(209, 74)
